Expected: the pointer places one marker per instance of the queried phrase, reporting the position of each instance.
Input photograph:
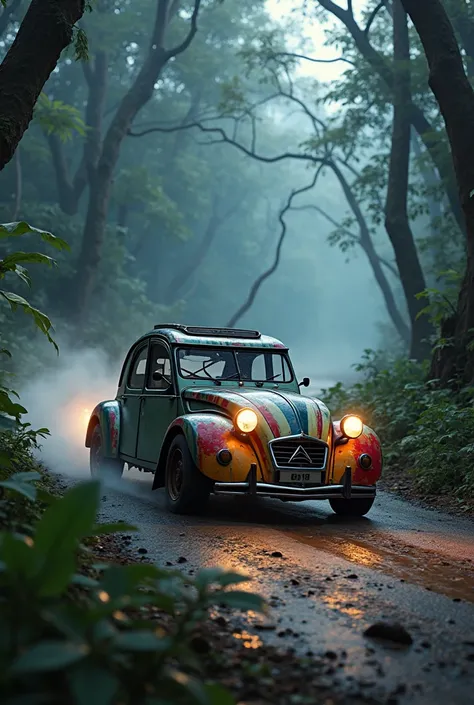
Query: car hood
(280, 413)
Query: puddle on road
(452, 578)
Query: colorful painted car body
(193, 382)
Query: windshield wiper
(236, 375)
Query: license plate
(290, 476)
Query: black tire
(186, 488)
(100, 467)
(356, 507)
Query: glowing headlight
(352, 426)
(246, 420)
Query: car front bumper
(346, 490)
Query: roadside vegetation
(426, 431)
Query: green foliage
(10, 264)
(423, 430)
(101, 648)
(59, 118)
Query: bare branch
(224, 138)
(170, 53)
(293, 55)
(268, 272)
(373, 15)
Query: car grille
(311, 453)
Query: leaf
(31, 257)
(63, 525)
(22, 488)
(17, 555)
(49, 656)
(121, 580)
(22, 228)
(239, 600)
(91, 685)
(9, 407)
(141, 641)
(219, 576)
(217, 695)
(84, 581)
(41, 319)
(103, 529)
(195, 691)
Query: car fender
(206, 434)
(108, 415)
(347, 454)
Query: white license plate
(290, 476)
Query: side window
(138, 369)
(160, 364)
(258, 367)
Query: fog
(191, 225)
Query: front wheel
(356, 507)
(100, 466)
(186, 488)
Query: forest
(302, 168)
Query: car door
(159, 405)
(131, 400)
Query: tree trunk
(428, 134)
(455, 96)
(463, 23)
(367, 245)
(396, 215)
(46, 30)
(101, 180)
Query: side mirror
(305, 382)
(158, 376)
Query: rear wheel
(356, 507)
(187, 489)
(101, 467)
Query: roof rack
(214, 332)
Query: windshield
(242, 365)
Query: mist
(62, 399)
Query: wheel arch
(159, 477)
(107, 416)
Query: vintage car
(219, 410)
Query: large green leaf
(91, 685)
(10, 261)
(122, 580)
(21, 483)
(141, 641)
(9, 407)
(239, 600)
(17, 554)
(49, 656)
(63, 525)
(219, 576)
(41, 319)
(22, 228)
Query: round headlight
(246, 420)
(352, 426)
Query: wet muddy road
(329, 579)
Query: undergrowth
(425, 431)
(103, 648)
